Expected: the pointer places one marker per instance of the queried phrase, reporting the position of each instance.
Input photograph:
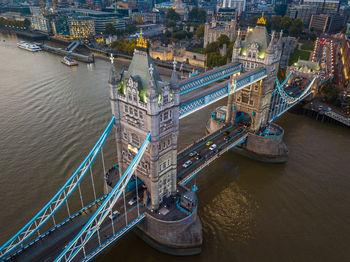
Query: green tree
(253, 20)
(296, 27)
(200, 31)
(197, 14)
(110, 29)
(212, 48)
(286, 22)
(223, 39)
(276, 23)
(172, 15)
(180, 35)
(331, 93)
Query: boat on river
(69, 61)
(28, 46)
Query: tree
(202, 16)
(331, 93)
(172, 15)
(286, 22)
(212, 48)
(296, 27)
(110, 29)
(200, 31)
(223, 39)
(197, 14)
(253, 20)
(276, 23)
(179, 35)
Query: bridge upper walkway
(209, 77)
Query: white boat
(69, 61)
(29, 47)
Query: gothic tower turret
(256, 52)
(142, 103)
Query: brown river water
(52, 115)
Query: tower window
(245, 98)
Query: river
(52, 115)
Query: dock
(59, 51)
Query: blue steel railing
(48, 232)
(57, 201)
(209, 77)
(115, 237)
(96, 220)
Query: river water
(52, 115)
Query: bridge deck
(49, 247)
(223, 138)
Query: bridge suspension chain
(57, 201)
(99, 216)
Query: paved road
(221, 139)
(53, 244)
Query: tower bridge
(147, 188)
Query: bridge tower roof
(139, 67)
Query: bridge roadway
(50, 246)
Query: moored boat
(29, 47)
(69, 61)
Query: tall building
(257, 51)
(304, 12)
(326, 23)
(213, 30)
(239, 5)
(325, 6)
(100, 18)
(141, 102)
(81, 27)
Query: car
(132, 201)
(187, 163)
(212, 147)
(193, 153)
(198, 156)
(208, 143)
(226, 133)
(114, 214)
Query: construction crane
(54, 3)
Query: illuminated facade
(257, 51)
(81, 27)
(142, 103)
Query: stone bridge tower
(141, 102)
(257, 51)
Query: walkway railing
(57, 201)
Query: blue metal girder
(209, 77)
(57, 201)
(243, 81)
(99, 216)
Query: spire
(174, 80)
(113, 73)
(270, 47)
(261, 20)
(140, 41)
(280, 40)
(236, 45)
